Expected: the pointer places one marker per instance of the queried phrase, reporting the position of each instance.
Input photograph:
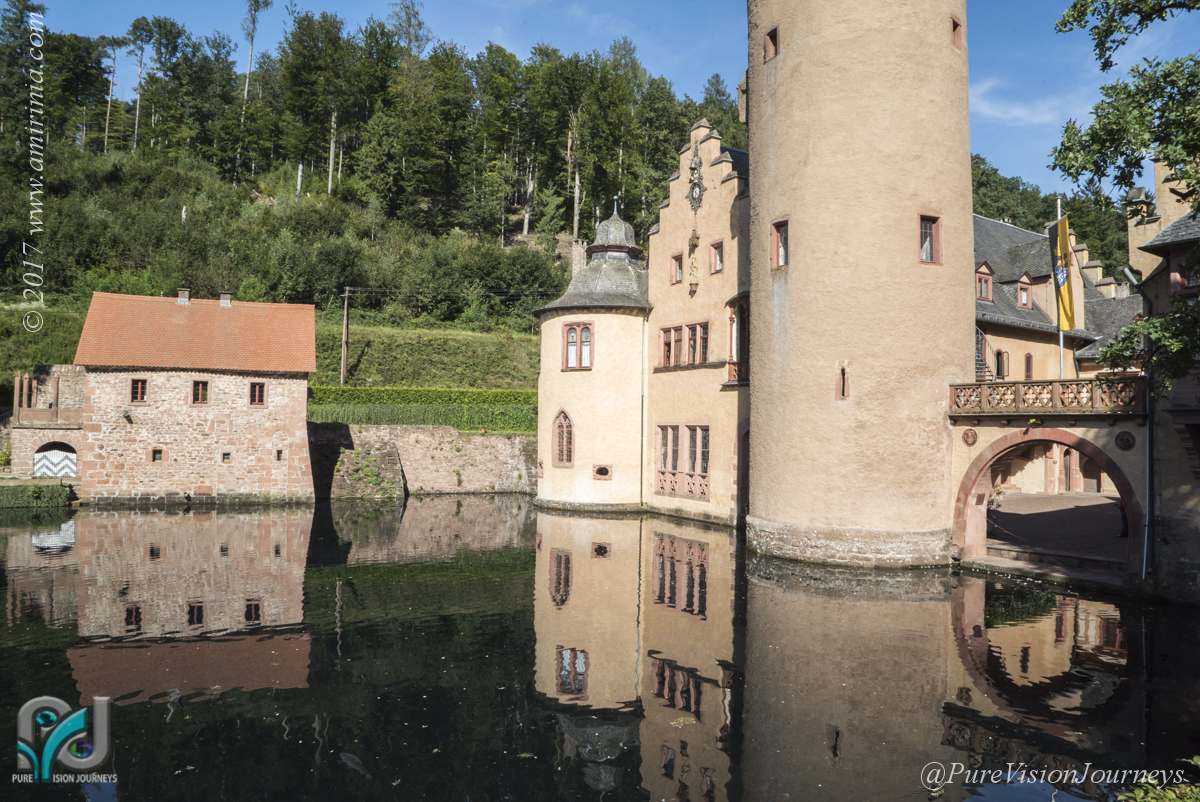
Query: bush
(465, 417)
(26, 495)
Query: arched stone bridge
(1087, 430)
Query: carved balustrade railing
(1104, 395)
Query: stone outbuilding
(180, 399)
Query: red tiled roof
(141, 331)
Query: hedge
(40, 495)
(429, 396)
(466, 417)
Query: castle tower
(862, 261)
(591, 382)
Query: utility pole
(345, 334)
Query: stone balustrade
(1104, 395)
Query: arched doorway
(976, 491)
(57, 460)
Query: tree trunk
(137, 109)
(237, 161)
(530, 189)
(108, 111)
(332, 147)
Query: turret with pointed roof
(614, 278)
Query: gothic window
(560, 577)
(564, 441)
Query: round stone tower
(862, 300)
(590, 385)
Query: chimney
(183, 295)
(226, 299)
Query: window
(156, 455)
(771, 44)
(693, 438)
(843, 387)
(224, 549)
(560, 577)
(279, 455)
(195, 614)
(666, 348)
(133, 618)
(137, 391)
(278, 550)
(258, 394)
(199, 392)
(693, 344)
(155, 552)
(779, 244)
(716, 257)
(1024, 296)
(956, 33)
(577, 346)
(677, 345)
(677, 268)
(564, 441)
(983, 287)
(664, 435)
(674, 448)
(703, 343)
(930, 239)
(1029, 367)
(226, 457)
(704, 450)
(253, 614)
(572, 671)
(1001, 364)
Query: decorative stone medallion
(1126, 441)
(970, 437)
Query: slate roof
(613, 278)
(1003, 310)
(1184, 230)
(139, 331)
(1011, 250)
(1106, 317)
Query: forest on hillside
(436, 178)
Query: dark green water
(473, 649)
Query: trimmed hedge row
(13, 495)
(428, 396)
(465, 417)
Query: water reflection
(471, 648)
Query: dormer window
(1024, 294)
(983, 284)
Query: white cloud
(1043, 110)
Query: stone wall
(360, 461)
(222, 448)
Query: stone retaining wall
(360, 461)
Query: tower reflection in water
(635, 622)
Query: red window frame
(258, 394)
(137, 391)
(199, 392)
(584, 333)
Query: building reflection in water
(635, 650)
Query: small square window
(779, 244)
(716, 257)
(677, 269)
(226, 457)
(931, 252)
(199, 392)
(155, 552)
(771, 44)
(137, 391)
(258, 394)
(156, 455)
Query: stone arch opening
(56, 460)
(976, 491)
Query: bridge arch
(975, 490)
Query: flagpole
(1062, 369)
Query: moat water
(476, 649)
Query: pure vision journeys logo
(49, 733)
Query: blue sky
(1026, 80)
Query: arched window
(564, 441)
(585, 347)
(572, 352)
(560, 577)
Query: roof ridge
(1010, 225)
(172, 299)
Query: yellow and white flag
(1060, 260)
